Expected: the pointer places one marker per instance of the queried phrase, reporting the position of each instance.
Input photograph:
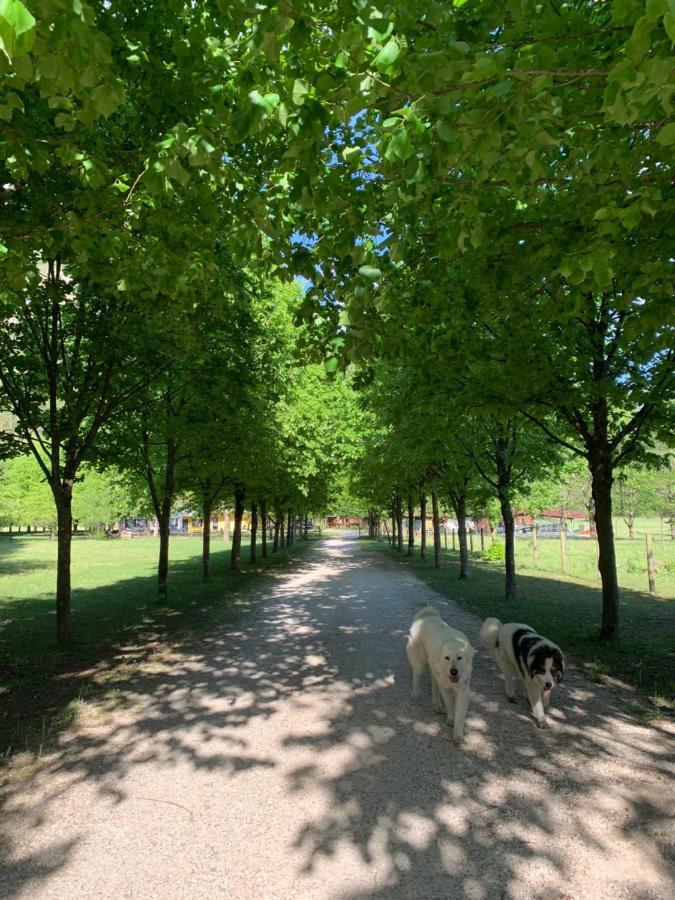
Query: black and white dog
(518, 649)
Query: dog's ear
(558, 666)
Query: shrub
(496, 551)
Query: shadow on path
(284, 758)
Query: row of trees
(518, 280)
(208, 400)
(142, 330)
(480, 195)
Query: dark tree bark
(282, 528)
(399, 523)
(163, 520)
(503, 452)
(394, 542)
(509, 543)
(207, 509)
(263, 527)
(437, 527)
(63, 498)
(289, 528)
(423, 517)
(277, 529)
(411, 526)
(458, 498)
(235, 556)
(254, 532)
(602, 478)
(161, 503)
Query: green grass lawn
(582, 558)
(568, 609)
(115, 618)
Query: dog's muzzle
(454, 676)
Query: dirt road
(286, 760)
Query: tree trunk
(163, 563)
(423, 517)
(207, 508)
(399, 522)
(437, 527)
(282, 534)
(393, 526)
(459, 505)
(411, 526)
(235, 556)
(629, 519)
(64, 517)
(263, 527)
(509, 544)
(254, 531)
(289, 529)
(275, 544)
(601, 485)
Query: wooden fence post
(534, 546)
(650, 564)
(563, 550)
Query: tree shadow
(306, 699)
(114, 628)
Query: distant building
(184, 522)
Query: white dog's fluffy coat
(449, 656)
(519, 650)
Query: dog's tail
(425, 613)
(489, 634)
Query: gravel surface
(285, 759)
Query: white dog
(449, 656)
(519, 650)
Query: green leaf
(105, 100)
(399, 146)
(267, 102)
(370, 273)
(65, 121)
(669, 25)
(351, 154)
(445, 132)
(387, 55)
(667, 135)
(17, 29)
(300, 90)
(331, 365)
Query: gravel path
(286, 760)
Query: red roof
(558, 514)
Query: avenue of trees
(479, 193)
